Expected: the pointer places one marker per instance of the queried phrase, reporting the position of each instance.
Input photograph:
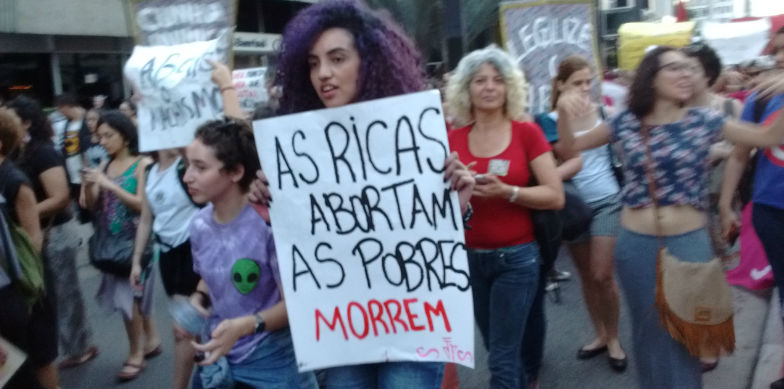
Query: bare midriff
(674, 219)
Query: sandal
(124, 375)
(70, 362)
(158, 350)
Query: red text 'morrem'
(361, 320)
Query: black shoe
(778, 384)
(588, 354)
(558, 275)
(617, 364)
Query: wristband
(513, 197)
(225, 88)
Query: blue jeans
(662, 362)
(387, 375)
(534, 335)
(504, 283)
(271, 365)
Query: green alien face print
(245, 275)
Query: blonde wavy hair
(458, 98)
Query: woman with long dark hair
(31, 328)
(679, 140)
(340, 52)
(46, 169)
(114, 192)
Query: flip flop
(126, 376)
(154, 352)
(70, 362)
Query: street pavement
(568, 329)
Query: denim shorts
(606, 220)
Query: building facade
(49, 47)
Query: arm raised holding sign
(221, 76)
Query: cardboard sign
(250, 86)
(738, 41)
(368, 235)
(634, 38)
(177, 94)
(539, 34)
(173, 22)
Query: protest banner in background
(369, 237)
(776, 23)
(541, 33)
(251, 88)
(634, 38)
(737, 41)
(177, 94)
(173, 22)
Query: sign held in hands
(177, 94)
(368, 235)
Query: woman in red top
(486, 95)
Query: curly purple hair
(389, 61)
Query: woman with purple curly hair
(338, 52)
(390, 63)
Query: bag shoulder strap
(648, 163)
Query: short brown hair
(10, 131)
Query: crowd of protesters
(657, 165)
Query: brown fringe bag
(693, 299)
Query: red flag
(680, 12)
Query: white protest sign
(368, 235)
(737, 41)
(250, 86)
(177, 94)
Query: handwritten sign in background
(173, 22)
(176, 92)
(368, 235)
(539, 34)
(251, 88)
(737, 41)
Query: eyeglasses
(679, 67)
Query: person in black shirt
(35, 333)
(46, 169)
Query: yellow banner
(634, 38)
